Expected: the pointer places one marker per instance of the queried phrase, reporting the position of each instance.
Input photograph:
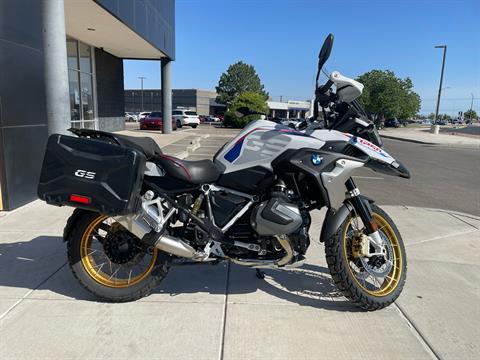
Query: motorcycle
(140, 211)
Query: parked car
(211, 118)
(131, 117)
(426, 122)
(202, 118)
(154, 121)
(441, 122)
(185, 117)
(143, 115)
(393, 122)
(292, 122)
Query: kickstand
(259, 274)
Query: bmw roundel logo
(316, 159)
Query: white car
(131, 117)
(185, 117)
(143, 115)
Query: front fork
(364, 211)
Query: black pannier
(91, 174)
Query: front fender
(334, 219)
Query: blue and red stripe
(234, 152)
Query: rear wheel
(374, 282)
(194, 126)
(111, 262)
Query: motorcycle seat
(194, 172)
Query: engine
(276, 216)
(282, 214)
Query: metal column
(56, 67)
(166, 69)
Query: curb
(408, 140)
(458, 146)
(451, 212)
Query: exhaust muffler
(137, 225)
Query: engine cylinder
(276, 217)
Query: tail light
(80, 199)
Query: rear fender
(333, 219)
(77, 213)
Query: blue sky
(281, 38)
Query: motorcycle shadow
(40, 265)
(309, 285)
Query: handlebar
(324, 88)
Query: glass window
(74, 95)
(90, 124)
(77, 124)
(80, 78)
(72, 54)
(176, 112)
(87, 96)
(85, 57)
(190, 113)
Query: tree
(470, 114)
(388, 96)
(239, 78)
(254, 101)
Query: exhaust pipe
(137, 225)
(175, 246)
(284, 243)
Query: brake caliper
(360, 245)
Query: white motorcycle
(140, 211)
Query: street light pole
(141, 82)
(471, 108)
(435, 128)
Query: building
(290, 109)
(61, 65)
(201, 101)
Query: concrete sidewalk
(225, 312)
(422, 135)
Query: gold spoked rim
(376, 286)
(101, 268)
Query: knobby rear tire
(74, 231)
(343, 278)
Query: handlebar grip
(325, 87)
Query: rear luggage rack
(96, 134)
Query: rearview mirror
(325, 51)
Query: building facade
(61, 66)
(290, 109)
(201, 101)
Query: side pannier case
(91, 174)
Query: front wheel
(111, 262)
(374, 282)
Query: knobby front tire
(349, 279)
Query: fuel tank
(261, 142)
